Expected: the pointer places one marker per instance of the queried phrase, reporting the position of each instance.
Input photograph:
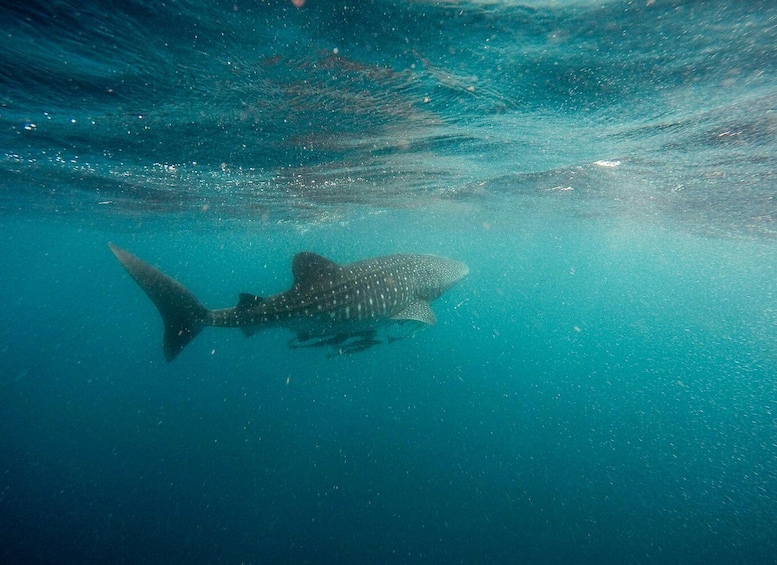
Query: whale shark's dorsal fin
(248, 300)
(244, 304)
(309, 269)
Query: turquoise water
(601, 388)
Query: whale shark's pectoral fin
(419, 311)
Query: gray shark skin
(340, 305)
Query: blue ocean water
(602, 387)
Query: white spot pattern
(374, 289)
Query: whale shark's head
(437, 274)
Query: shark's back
(383, 287)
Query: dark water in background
(601, 389)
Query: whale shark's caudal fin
(183, 315)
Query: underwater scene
(390, 281)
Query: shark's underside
(328, 304)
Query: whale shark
(329, 304)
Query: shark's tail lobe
(183, 315)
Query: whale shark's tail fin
(183, 315)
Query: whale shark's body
(338, 305)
